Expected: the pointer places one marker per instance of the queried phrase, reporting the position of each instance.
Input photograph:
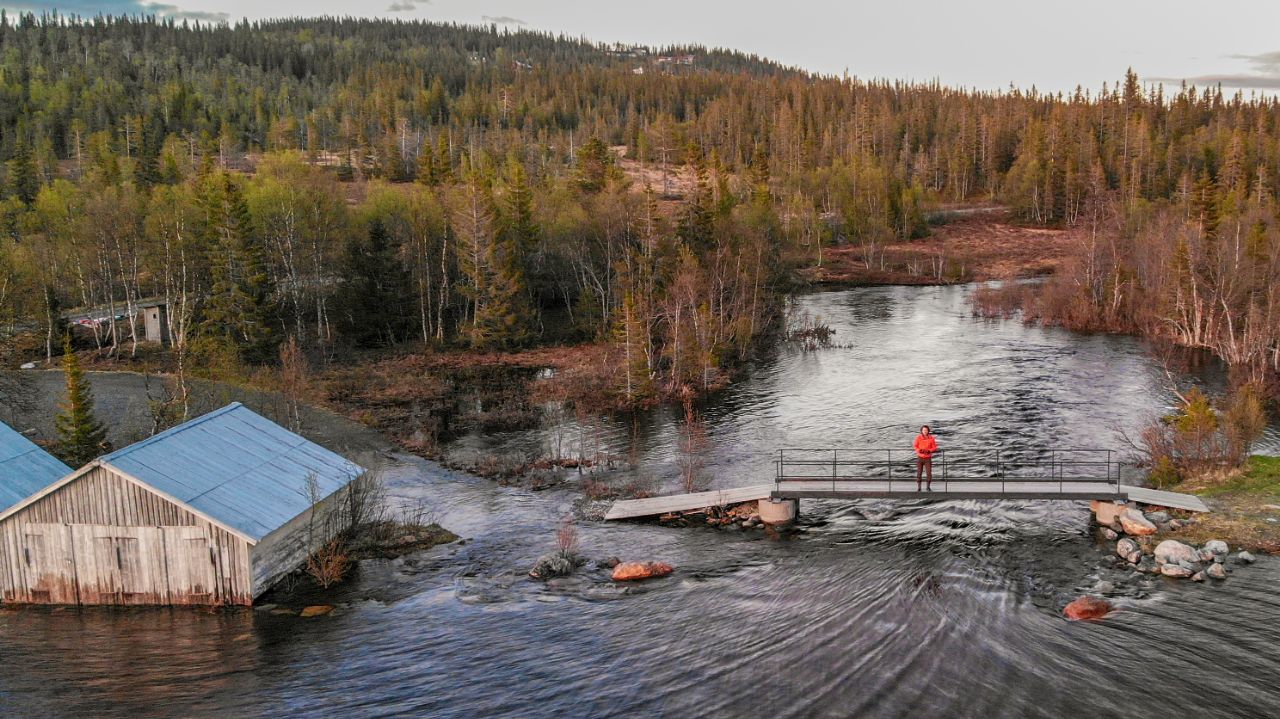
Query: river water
(875, 608)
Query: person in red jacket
(926, 445)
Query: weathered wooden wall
(103, 539)
(286, 548)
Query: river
(875, 608)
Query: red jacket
(925, 445)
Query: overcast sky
(1054, 46)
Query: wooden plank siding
(103, 539)
(286, 548)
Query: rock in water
(1157, 517)
(1087, 608)
(1175, 570)
(1217, 546)
(1126, 547)
(627, 571)
(1245, 558)
(1216, 571)
(556, 564)
(1134, 523)
(1109, 534)
(1171, 551)
(316, 611)
(1197, 577)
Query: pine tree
(23, 178)
(238, 309)
(375, 289)
(521, 227)
(81, 437)
(503, 319)
(594, 161)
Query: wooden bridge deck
(881, 489)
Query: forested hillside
(364, 183)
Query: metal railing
(1041, 470)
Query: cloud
(1264, 75)
(503, 20)
(90, 8)
(406, 6)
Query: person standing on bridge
(926, 445)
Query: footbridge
(862, 473)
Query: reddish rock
(626, 571)
(1136, 524)
(318, 610)
(1087, 608)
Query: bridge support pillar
(778, 511)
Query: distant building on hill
(213, 511)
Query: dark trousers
(924, 466)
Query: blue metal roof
(24, 468)
(237, 467)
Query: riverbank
(965, 244)
(1245, 507)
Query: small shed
(24, 468)
(213, 511)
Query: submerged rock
(1176, 571)
(317, 610)
(1216, 571)
(1171, 551)
(628, 571)
(1136, 524)
(1087, 607)
(1244, 557)
(556, 564)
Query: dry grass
(975, 246)
(1246, 507)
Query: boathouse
(24, 468)
(213, 511)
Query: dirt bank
(968, 244)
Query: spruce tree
(238, 309)
(375, 290)
(81, 437)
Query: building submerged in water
(214, 511)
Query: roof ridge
(171, 431)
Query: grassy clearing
(1245, 507)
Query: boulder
(1216, 571)
(1175, 570)
(1126, 547)
(1087, 608)
(1171, 551)
(1135, 524)
(317, 610)
(1197, 577)
(628, 571)
(1106, 513)
(1133, 557)
(1217, 546)
(1244, 557)
(1205, 555)
(1157, 517)
(1109, 534)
